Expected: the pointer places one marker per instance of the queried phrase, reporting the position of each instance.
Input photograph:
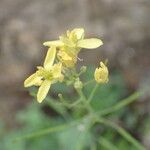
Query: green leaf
(74, 138)
(105, 95)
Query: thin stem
(88, 82)
(122, 132)
(84, 99)
(92, 93)
(75, 103)
(58, 107)
(45, 131)
(69, 105)
(120, 104)
(50, 130)
(55, 105)
(107, 144)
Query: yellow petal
(79, 33)
(39, 83)
(67, 41)
(50, 57)
(89, 43)
(67, 60)
(102, 65)
(32, 80)
(57, 70)
(64, 55)
(57, 43)
(43, 90)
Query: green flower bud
(83, 69)
(78, 84)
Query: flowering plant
(60, 66)
(65, 53)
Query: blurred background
(123, 25)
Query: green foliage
(74, 138)
(54, 132)
(32, 119)
(106, 95)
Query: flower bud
(83, 69)
(78, 84)
(101, 73)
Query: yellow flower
(71, 43)
(66, 59)
(45, 76)
(75, 39)
(101, 73)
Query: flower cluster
(62, 55)
(70, 44)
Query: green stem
(53, 104)
(120, 104)
(50, 130)
(107, 144)
(75, 103)
(84, 100)
(57, 107)
(88, 82)
(123, 133)
(92, 93)
(69, 105)
(45, 131)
